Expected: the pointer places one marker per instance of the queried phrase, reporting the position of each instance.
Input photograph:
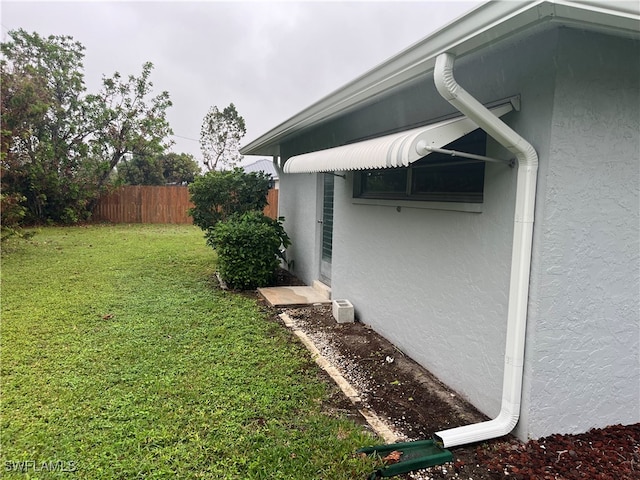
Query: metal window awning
(395, 150)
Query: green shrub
(219, 194)
(12, 213)
(249, 248)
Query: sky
(270, 59)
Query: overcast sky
(271, 59)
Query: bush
(249, 248)
(12, 213)
(216, 195)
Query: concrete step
(293, 296)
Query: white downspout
(527, 160)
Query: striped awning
(395, 150)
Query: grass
(121, 360)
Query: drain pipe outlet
(527, 160)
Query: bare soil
(417, 405)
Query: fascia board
(485, 25)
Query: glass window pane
(449, 182)
(386, 181)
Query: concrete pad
(293, 296)
(321, 287)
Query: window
(437, 177)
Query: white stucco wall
(435, 282)
(583, 363)
(299, 204)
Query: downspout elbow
(443, 77)
(504, 423)
(453, 93)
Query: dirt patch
(411, 401)
(387, 381)
(415, 404)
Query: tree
(140, 170)
(44, 124)
(23, 103)
(220, 137)
(60, 145)
(128, 121)
(170, 168)
(179, 168)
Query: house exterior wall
(583, 360)
(435, 282)
(299, 204)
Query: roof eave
(484, 25)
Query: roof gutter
(527, 161)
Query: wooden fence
(271, 210)
(156, 204)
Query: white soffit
(395, 150)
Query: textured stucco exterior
(435, 282)
(583, 357)
(300, 205)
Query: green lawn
(122, 360)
